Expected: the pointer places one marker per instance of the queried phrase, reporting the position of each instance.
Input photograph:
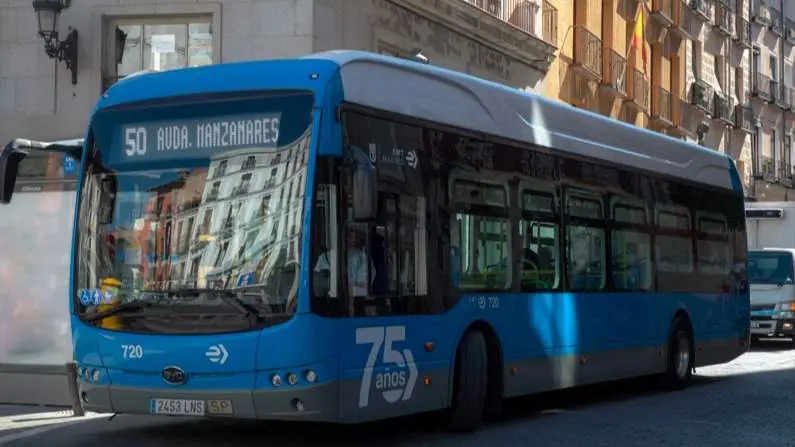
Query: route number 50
(135, 141)
(395, 385)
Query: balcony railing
(190, 204)
(744, 117)
(768, 168)
(761, 15)
(742, 36)
(549, 23)
(701, 95)
(638, 89)
(213, 194)
(682, 117)
(615, 72)
(784, 173)
(663, 10)
(240, 190)
(723, 17)
(685, 23)
(783, 96)
(701, 8)
(775, 22)
(721, 108)
(789, 31)
(761, 87)
(519, 13)
(662, 105)
(587, 52)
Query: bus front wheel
(470, 383)
(679, 369)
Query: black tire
(679, 365)
(755, 339)
(470, 383)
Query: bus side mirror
(365, 184)
(10, 158)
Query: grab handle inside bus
(16, 151)
(365, 182)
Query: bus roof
(452, 98)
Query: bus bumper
(310, 403)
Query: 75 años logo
(396, 381)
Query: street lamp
(48, 11)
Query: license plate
(220, 407)
(177, 407)
(754, 324)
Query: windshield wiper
(132, 305)
(227, 297)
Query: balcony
(761, 15)
(721, 108)
(638, 90)
(784, 173)
(228, 227)
(701, 95)
(241, 190)
(742, 36)
(775, 23)
(661, 106)
(744, 117)
(512, 26)
(702, 9)
(723, 18)
(761, 87)
(190, 205)
(777, 92)
(789, 31)
(587, 53)
(615, 73)
(683, 118)
(685, 23)
(213, 194)
(768, 168)
(663, 11)
(549, 24)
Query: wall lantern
(65, 50)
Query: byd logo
(394, 382)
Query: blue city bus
(347, 237)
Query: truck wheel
(679, 369)
(470, 380)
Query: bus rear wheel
(470, 383)
(679, 369)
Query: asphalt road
(748, 402)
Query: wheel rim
(682, 356)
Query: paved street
(745, 403)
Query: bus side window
(585, 240)
(630, 244)
(481, 239)
(713, 250)
(539, 234)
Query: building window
(774, 68)
(773, 146)
(162, 43)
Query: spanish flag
(639, 37)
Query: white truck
(771, 256)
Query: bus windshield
(770, 267)
(201, 236)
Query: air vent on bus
(760, 213)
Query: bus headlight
(292, 379)
(276, 380)
(310, 376)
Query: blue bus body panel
(530, 327)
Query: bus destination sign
(203, 138)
